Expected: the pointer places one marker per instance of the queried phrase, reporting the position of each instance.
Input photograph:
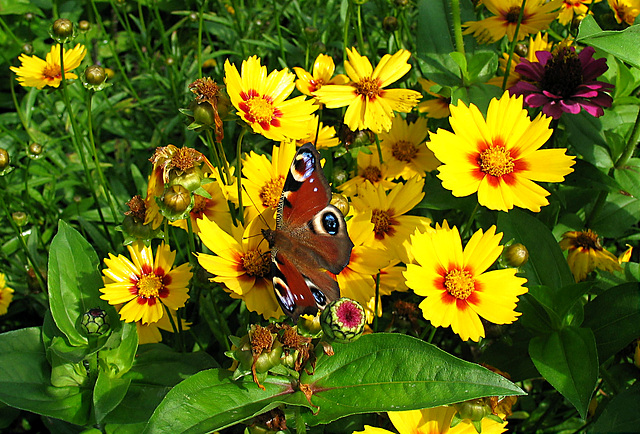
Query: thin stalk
(377, 303)
(200, 26)
(77, 141)
(345, 31)
(103, 182)
(9, 32)
(512, 46)
(457, 26)
(359, 28)
(174, 326)
(279, 8)
(467, 226)
(239, 173)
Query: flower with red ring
(564, 82)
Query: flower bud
(95, 321)
(84, 25)
(363, 138)
(5, 160)
(204, 114)
(516, 255)
(29, 16)
(95, 74)
(401, 3)
(311, 32)
(62, 30)
(19, 218)
(390, 24)
(169, 61)
(35, 151)
(176, 199)
(341, 202)
(27, 48)
(522, 49)
(474, 409)
(193, 16)
(343, 320)
(340, 176)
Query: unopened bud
(27, 48)
(84, 25)
(177, 199)
(62, 30)
(95, 75)
(35, 150)
(5, 160)
(95, 321)
(516, 255)
(390, 24)
(474, 410)
(343, 320)
(19, 218)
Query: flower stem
(467, 226)
(77, 141)
(377, 303)
(200, 26)
(239, 173)
(107, 191)
(457, 26)
(359, 28)
(512, 46)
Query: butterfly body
(310, 244)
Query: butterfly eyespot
(321, 299)
(331, 223)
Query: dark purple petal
(552, 110)
(536, 100)
(523, 88)
(570, 106)
(531, 70)
(593, 109)
(543, 57)
(602, 100)
(551, 95)
(597, 85)
(585, 93)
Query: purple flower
(564, 81)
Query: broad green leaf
(614, 318)
(382, 372)
(120, 351)
(547, 265)
(19, 7)
(623, 43)
(108, 392)
(568, 360)
(482, 65)
(622, 413)
(586, 175)
(629, 177)
(379, 372)
(74, 283)
(25, 380)
(617, 216)
(586, 136)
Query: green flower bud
(169, 61)
(311, 32)
(63, 30)
(516, 255)
(270, 359)
(474, 409)
(176, 201)
(84, 25)
(27, 48)
(35, 151)
(95, 321)
(94, 77)
(204, 114)
(193, 16)
(343, 320)
(29, 16)
(5, 160)
(390, 24)
(19, 218)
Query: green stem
(239, 173)
(512, 46)
(200, 26)
(279, 8)
(9, 32)
(77, 141)
(176, 328)
(467, 226)
(92, 143)
(377, 303)
(457, 26)
(345, 31)
(359, 28)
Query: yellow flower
(323, 69)
(435, 420)
(35, 72)
(261, 100)
(357, 280)
(404, 149)
(326, 135)
(263, 179)
(458, 291)
(370, 105)
(437, 108)
(537, 43)
(369, 170)
(150, 333)
(242, 263)
(145, 284)
(573, 7)
(215, 208)
(586, 254)
(392, 228)
(625, 10)
(6, 294)
(499, 158)
(537, 16)
(626, 255)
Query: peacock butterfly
(310, 244)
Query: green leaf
(482, 65)
(383, 372)
(120, 351)
(18, 7)
(623, 43)
(617, 216)
(108, 392)
(586, 175)
(74, 283)
(568, 360)
(586, 136)
(378, 372)
(622, 413)
(629, 177)
(547, 265)
(614, 318)
(24, 380)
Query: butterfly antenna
(257, 209)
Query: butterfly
(310, 243)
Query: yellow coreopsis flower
(586, 254)
(144, 284)
(392, 227)
(215, 208)
(537, 16)
(150, 333)
(323, 69)
(571, 8)
(261, 100)
(537, 43)
(499, 158)
(435, 420)
(369, 169)
(405, 150)
(625, 10)
(323, 136)
(35, 72)
(242, 263)
(457, 287)
(370, 104)
(6, 294)
(263, 179)
(437, 108)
